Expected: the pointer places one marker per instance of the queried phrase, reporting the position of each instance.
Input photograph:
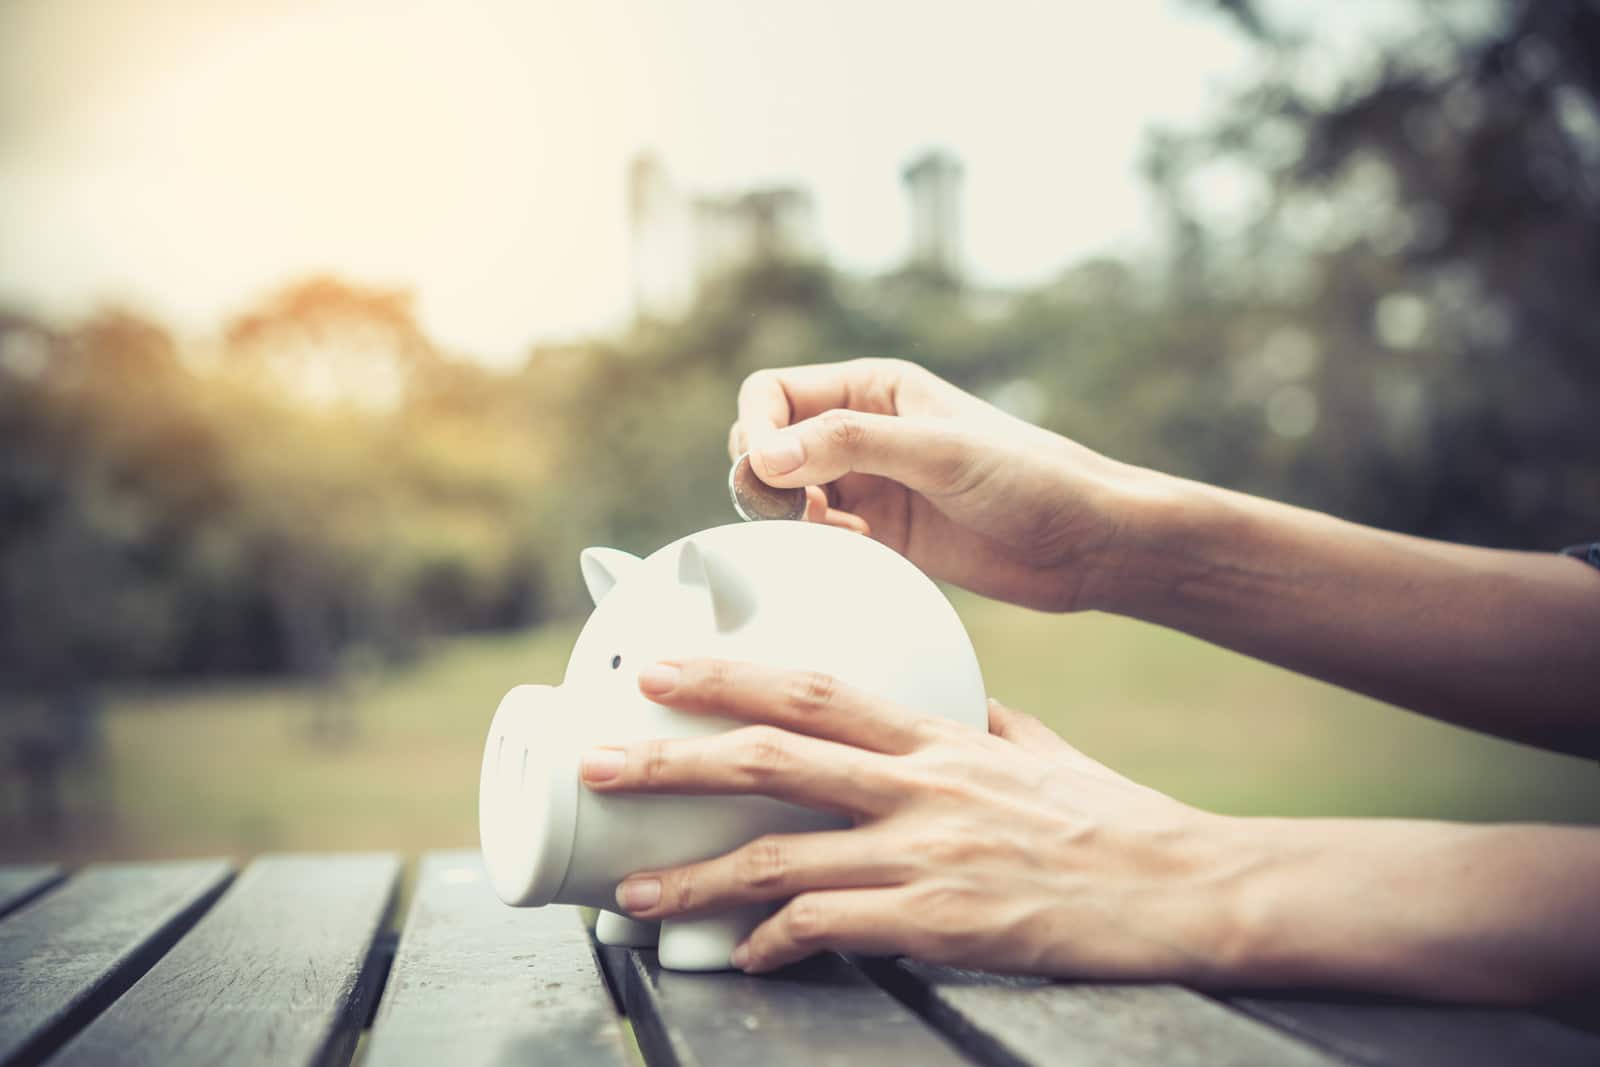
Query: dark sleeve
(1589, 553)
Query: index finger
(753, 759)
(805, 702)
(774, 398)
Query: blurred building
(764, 224)
(680, 240)
(933, 183)
(661, 252)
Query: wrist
(1235, 881)
(1255, 892)
(1348, 904)
(1158, 529)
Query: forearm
(1506, 642)
(1500, 914)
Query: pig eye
(616, 661)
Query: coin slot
(523, 777)
(499, 752)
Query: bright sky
(189, 156)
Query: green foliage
(1431, 220)
(193, 513)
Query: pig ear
(603, 568)
(733, 600)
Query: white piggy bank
(788, 594)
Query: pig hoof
(705, 944)
(619, 930)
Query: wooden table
(293, 961)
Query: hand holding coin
(755, 500)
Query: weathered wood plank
(477, 983)
(278, 972)
(1013, 1021)
(67, 955)
(822, 1011)
(1383, 1032)
(614, 967)
(608, 957)
(21, 883)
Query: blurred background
(331, 332)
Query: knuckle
(763, 864)
(886, 364)
(712, 679)
(894, 373)
(805, 920)
(844, 430)
(944, 850)
(682, 891)
(811, 692)
(653, 763)
(763, 753)
(755, 381)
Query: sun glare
(188, 158)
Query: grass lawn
(239, 768)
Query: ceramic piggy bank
(788, 594)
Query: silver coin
(755, 500)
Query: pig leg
(614, 929)
(704, 943)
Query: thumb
(928, 456)
(1025, 731)
(1022, 729)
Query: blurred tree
(329, 344)
(1374, 300)
(94, 557)
(1431, 243)
(383, 480)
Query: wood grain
(279, 972)
(67, 955)
(477, 983)
(1004, 1020)
(22, 882)
(822, 1011)
(1382, 1032)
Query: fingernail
(740, 957)
(778, 453)
(603, 764)
(639, 894)
(659, 678)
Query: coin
(755, 500)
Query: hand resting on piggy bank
(1012, 851)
